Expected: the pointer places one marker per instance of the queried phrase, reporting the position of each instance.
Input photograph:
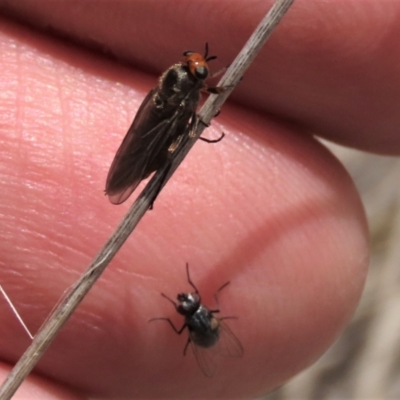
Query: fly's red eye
(197, 64)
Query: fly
(209, 336)
(166, 115)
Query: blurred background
(364, 363)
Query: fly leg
(218, 89)
(178, 331)
(193, 127)
(186, 346)
(213, 140)
(189, 280)
(217, 301)
(215, 89)
(170, 300)
(227, 318)
(217, 292)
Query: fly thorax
(170, 83)
(158, 101)
(176, 89)
(169, 77)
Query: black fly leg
(217, 301)
(216, 293)
(170, 300)
(193, 125)
(215, 89)
(186, 346)
(188, 277)
(178, 331)
(213, 140)
(227, 318)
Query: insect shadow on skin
(209, 336)
(165, 117)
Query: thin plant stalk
(78, 291)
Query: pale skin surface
(268, 208)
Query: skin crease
(268, 208)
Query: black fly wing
(126, 172)
(142, 151)
(228, 345)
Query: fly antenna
(206, 54)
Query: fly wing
(205, 357)
(229, 344)
(135, 159)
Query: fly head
(189, 303)
(198, 64)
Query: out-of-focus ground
(364, 363)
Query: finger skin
(268, 208)
(330, 67)
(37, 388)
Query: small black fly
(209, 336)
(167, 114)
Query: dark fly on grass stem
(167, 114)
(209, 336)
